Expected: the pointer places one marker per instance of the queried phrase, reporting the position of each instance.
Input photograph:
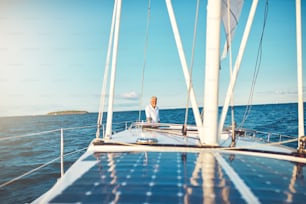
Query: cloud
(284, 92)
(279, 92)
(132, 95)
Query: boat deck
(172, 137)
(177, 169)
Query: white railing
(117, 127)
(263, 136)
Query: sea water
(21, 152)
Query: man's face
(153, 102)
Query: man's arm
(148, 115)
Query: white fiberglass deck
(171, 136)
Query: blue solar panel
(176, 177)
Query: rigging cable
(229, 41)
(257, 68)
(191, 64)
(145, 59)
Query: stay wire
(257, 68)
(145, 59)
(192, 61)
(229, 44)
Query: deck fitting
(301, 148)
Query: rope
(44, 132)
(81, 127)
(256, 70)
(29, 135)
(192, 61)
(145, 59)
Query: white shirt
(152, 113)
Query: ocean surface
(21, 150)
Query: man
(152, 111)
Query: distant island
(68, 112)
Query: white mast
(210, 129)
(180, 49)
(299, 68)
(113, 71)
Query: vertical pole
(209, 129)
(113, 72)
(183, 60)
(299, 70)
(62, 152)
(106, 69)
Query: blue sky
(52, 55)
